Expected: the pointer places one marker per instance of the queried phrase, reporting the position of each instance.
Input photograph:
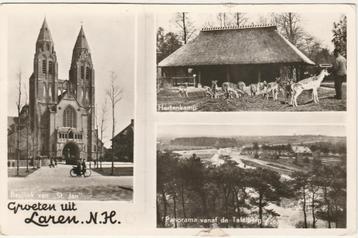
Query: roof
(301, 149)
(45, 34)
(81, 46)
(261, 44)
(125, 131)
(81, 42)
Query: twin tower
(57, 105)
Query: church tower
(81, 77)
(82, 72)
(43, 87)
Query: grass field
(123, 171)
(255, 103)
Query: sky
(317, 24)
(111, 40)
(248, 130)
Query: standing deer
(312, 83)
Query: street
(57, 184)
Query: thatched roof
(230, 46)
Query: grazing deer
(311, 83)
(214, 88)
(272, 88)
(231, 90)
(253, 89)
(241, 85)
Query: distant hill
(205, 141)
(219, 142)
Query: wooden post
(199, 77)
(258, 75)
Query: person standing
(340, 72)
(84, 167)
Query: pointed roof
(81, 42)
(45, 34)
(261, 44)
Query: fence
(176, 81)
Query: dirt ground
(173, 102)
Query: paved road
(56, 183)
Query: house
(122, 144)
(232, 54)
(301, 150)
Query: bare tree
(185, 25)
(101, 127)
(223, 19)
(27, 125)
(18, 105)
(240, 18)
(114, 93)
(289, 25)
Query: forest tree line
(187, 188)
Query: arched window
(44, 68)
(88, 73)
(69, 117)
(50, 91)
(50, 67)
(82, 72)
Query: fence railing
(176, 81)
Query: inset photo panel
(252, 61)
(70, 104)
(251, 176)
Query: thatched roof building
(231, 53)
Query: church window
(88, 73)
(44, 91)
(50, 91)
(48, 46)
(69, 117)
(44, 64)
(50, 67)
(82, 72)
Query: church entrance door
(71, 153)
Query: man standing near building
(340, 72)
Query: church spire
(81, 42)
(81, 47)
(45, 34)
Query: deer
(272, 88)
(312, 83)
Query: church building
(61, 111)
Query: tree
(289, 26)
(102, 127)
(240, 18)
(18, 129)
(114, 93)
(340, 35)
(27, 126)
(167, 43)
(270, 189)
(185, 25)
(223, 19)
(299, 184)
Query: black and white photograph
(70, 105)
(251, 176)
(247, 61)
